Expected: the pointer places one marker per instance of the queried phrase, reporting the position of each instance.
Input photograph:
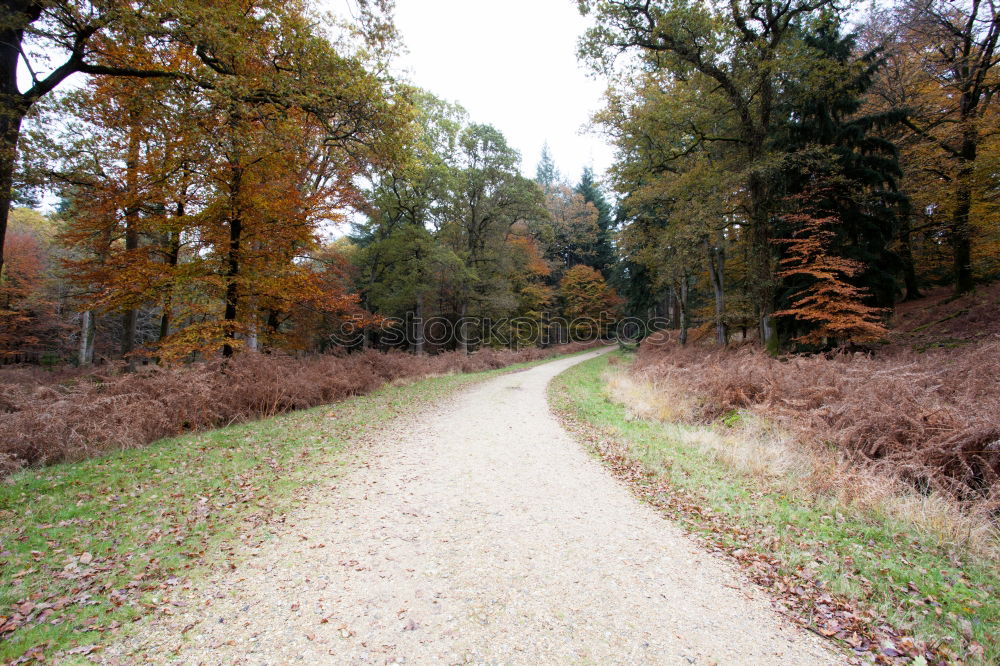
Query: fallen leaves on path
(803, 598)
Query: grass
(87, 548)
(878, 572)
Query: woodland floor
(479, 531)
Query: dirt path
(480, 532)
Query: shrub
(930, 418)
(49, 417)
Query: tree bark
(910, 281)
(10, 129)
(460, 332)
(86, 338)
(680, 291)
(961, 226)
(131, 317)
(418, 327)
(761, 256)
(233, 261)
(13, 105)
(717, 273)
(173, 247)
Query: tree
(570, 234)
(826, 134)
(28, 306)
(590, 305)
(604, 253)
(115, 38)
(832, 308)
(401, 258)
(213, 214)
(952, 101)
(546, 174)
(489, 198)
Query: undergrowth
(931, 419)
(48, 417)
(88, 547)
(881, 586)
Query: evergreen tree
(547, 175)
(828, 140)
(603, 258)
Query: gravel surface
(478, 532)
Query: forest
(786, 172)
(178, 186)
(200, 186)
(219, 213)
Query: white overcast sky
(511, 64)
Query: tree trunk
(717, 272)
(13, 108)
(131, 317)
(460, 332)
(961, 227)
(233, 261)
(418, 327)
(761, 256)
(173, 247)
(252, 342)
(672, 310)
(86, 338)
(10, 129)
(680, 292)
(906, 256)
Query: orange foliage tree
(588, 301)
(208, 203)
(833, 307)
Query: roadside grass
(87, 548)
(891, 592)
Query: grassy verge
(882, 589)
(87, 548)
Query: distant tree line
(204, 163)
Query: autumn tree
(531, 281)
(28, 302)
(829, 309)
(570, 233)
(944, 71)
(117, 38)
(207, 200)
(589, 304)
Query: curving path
(478, 532)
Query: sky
(511, 64)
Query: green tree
(488, 199)
(603, 253)
(546, 174)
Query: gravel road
(479, 532)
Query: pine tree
(547, 175)
(603, 258)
